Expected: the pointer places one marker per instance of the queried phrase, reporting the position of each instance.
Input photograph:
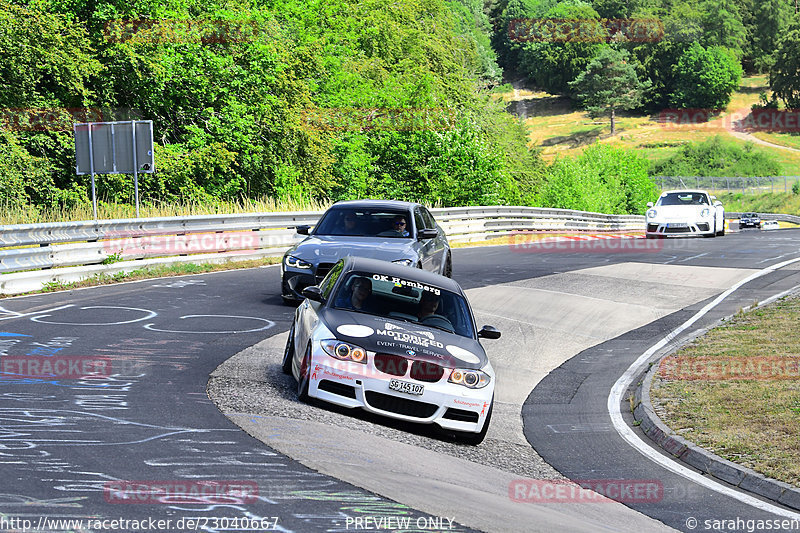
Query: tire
(476, 438)
(303, 379)
(288, 353)
(448, 267)
(713, 233)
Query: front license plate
(678, 225)
(405, 386)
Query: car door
(424, 247)
(439, 246)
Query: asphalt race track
(572, 322)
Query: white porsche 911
(395, 341)
(689, 212)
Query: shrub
(716, 157)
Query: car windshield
(405, 299)
(683, 198)
(355, 222)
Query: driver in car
(428, 303)
(360, 296)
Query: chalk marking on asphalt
(622, 384)
(148, 314)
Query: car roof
(392, 269)
(684, 191)
(381, 204)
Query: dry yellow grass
(753, 422)
(560, 130)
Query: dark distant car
(400, 232)
(395, 341)
(749, 220)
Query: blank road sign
(112, 147)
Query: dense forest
(336, 99)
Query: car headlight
(472, 379)
(294, 262)
(344, 351)
(404, 262)
(705, 212)
(652, 213)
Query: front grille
(703, 226)
(652, 228)
(391, 364)
(424, 371)
(323, 269)
(678, 230)
(461, 415)
(340, 389)
(400, 406)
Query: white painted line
(622, 384)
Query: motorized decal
(416, 337)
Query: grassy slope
(561, 130)
(753, 422)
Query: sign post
(114, 148)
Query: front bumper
(294, 280)
(348, 384)
(677, 228)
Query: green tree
(784, 75)
(706, 77)
(771, 18)
(556, 58)
(722, 23)
(609, 83)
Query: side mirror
(427, 233)
(649, 205)
(717, 203)
(489, 332)
(313, 293)
(303, 230)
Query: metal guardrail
(767, 216)
(32, 255)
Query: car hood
(410, 340)
(329, 249)
(680, 212)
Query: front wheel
(303, 379)
(448, 267)
(288, 353)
